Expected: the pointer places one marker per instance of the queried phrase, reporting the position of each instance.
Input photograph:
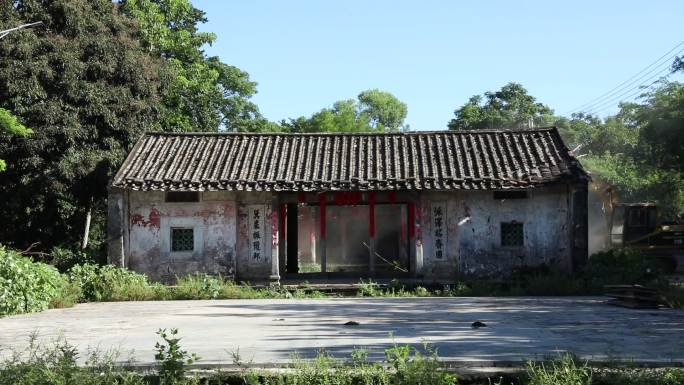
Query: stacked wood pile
(634, 296)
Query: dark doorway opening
(348, 247)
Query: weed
(369, 289)
(417, 368)
(564, 371)
(170, 358)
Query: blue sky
(434, 55)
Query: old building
(431, 205)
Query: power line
(630, 80)
(641, 90)
(638, 86)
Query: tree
(383, 109)
(640, 150)
(510, 107)
(375, 111)
(88, 89)
(10, 126)
(205, 94)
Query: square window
(182, 239)
(512, 235)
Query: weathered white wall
(150, 219)
(473, 232)
(471, 223)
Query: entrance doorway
(348, 249)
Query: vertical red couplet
(371, 214)
(321, 209)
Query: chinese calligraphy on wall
(438, 228)
(256, 218)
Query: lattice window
(182, 239)
(512, 235)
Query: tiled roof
(443, 160)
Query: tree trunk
(86, 230)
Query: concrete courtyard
(268, 331)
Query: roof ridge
(400, 133)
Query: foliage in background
(204, 93)
(509, 107)
(26, 286)
(88, 90)
(640, 150)
(9, 127)
(374, 111)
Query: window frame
(171, 244)
(502, 236)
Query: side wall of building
(456, 233)
(473, 240)
(224, 234)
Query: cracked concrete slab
(267, 332)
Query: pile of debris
(634, 296)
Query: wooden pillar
(321, 213)
(292, 239)
(371, 232)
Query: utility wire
(641, 90)
(631, 80)
(640, 86)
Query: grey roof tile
(441, 160)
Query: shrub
(111, 283)
(64, 258)
(619, 266)
(26, 286)
(68, 295)
(198, 286)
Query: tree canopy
(10, 126)
(373, 111)
(640, 150)
(88, 90)
(510, 107)
(205, 94)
